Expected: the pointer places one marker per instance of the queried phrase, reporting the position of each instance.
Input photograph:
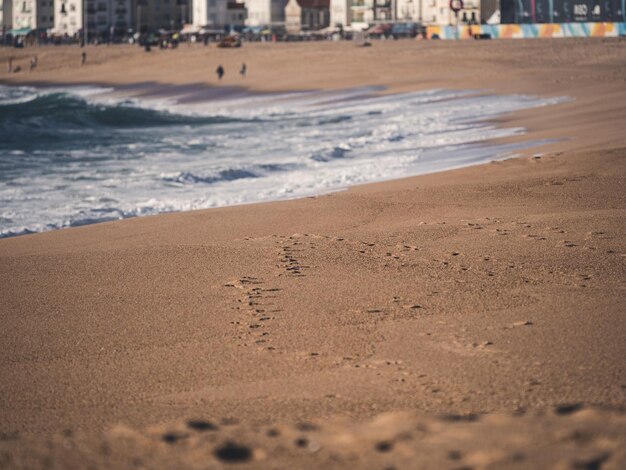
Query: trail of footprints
(256, 311)
(290, 256)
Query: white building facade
(211, 13)
(33, 14)
(341, 13)
(265, 12)
(407, 10)
(438, 12)
(103, 16)
(362, 11)
(68, 18)
(428, 12)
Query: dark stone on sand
(173, 437)
(470, 418)
(273, 432)
(302, 442)
(567, 408)
(384, 446)
(454, 455)
(592, 463)
(201, 425)
(9, 436)
(231, 452)
(304, 426)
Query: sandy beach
(444, 320)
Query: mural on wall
(562, 11)
(546, 30)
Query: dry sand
(493, 290)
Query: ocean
(71, 156)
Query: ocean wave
(187, 177)
(70, 157)
(340, 151)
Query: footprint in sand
(252, 306)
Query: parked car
(405, 30)
(379, 30)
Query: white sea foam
(106, 165)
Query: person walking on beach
(220, 72)
(10, 65)
(33, 62)
(83, 58)
(243, 70)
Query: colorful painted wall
(550, 30)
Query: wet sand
(493, 291)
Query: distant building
(407, 10)
(6, 15)
(438, 12)
(69, 18)
(365, 12)
(562, 11)
(428, 12)
(210, 13)
(341, 13)
(237, 15)
(307, 15)
(266, 12)
(362, 11)
(152, 15)
(104, 17)
(33, 14)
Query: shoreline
(148, 94)
(494, 289)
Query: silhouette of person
(83, 58)
(10, 65)
(33, 62)
(243, 70)
(220, 72)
